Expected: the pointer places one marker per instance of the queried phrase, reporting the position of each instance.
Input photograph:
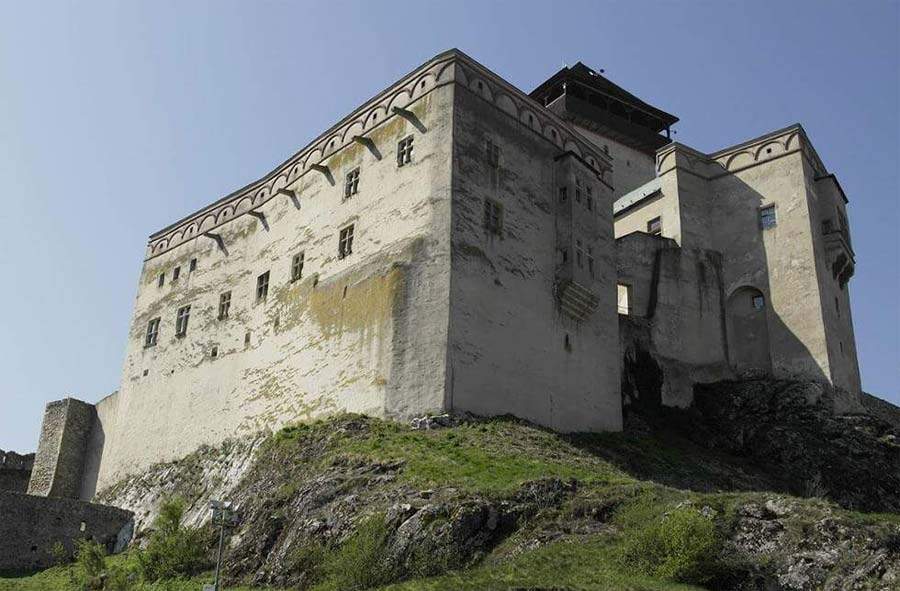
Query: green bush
(680, 545)
(173, 551)
(92, 571)
(359, 563)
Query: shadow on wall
(93, 455)
(758, 341)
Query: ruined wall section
(15, 470)
(677, 312)
(59, 461)
(512, 350)
(31, 526)
(364, 333)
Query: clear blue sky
(117, 118)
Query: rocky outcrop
(787, 429)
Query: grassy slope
(494, 458)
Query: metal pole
(219, 557)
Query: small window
(767, 217)
(404, 151)
(351, 186)
(162, 280)
(493, 216)
(193, 266)
(224, 305)
(345, 242)
(152, 333)
(262, 287)
(175, 274)
(578, 187)
(589, 200)
(247, 339)
(654, 226)
(564, 255)
(297, 266)
(837, 307)
(214, 352)
(563, 194)
(567, 343)
(623, 298)
(579, 253)
(493, 154)
(758, 302)
(590, 260)
(181, 321)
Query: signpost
(225, 517)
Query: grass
(647, 535)
(60, 578)
(489, 457)
(585, 565)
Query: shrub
(173, 551)
(681, 545)
(90, 564)
(359, 563)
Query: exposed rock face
(788, 428)
(788, 546)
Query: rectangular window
(654, 227)
(175, 274)
(564, 254)
(224, 305)
(578, 187)
(404, 151)
(181, 321)
(351, 186)
(162, 280)
(193, 266)
(297, 266)
(767, 217)
(758, 302)
(623, 298)
(493, 216)
(262, 287)
(493, 154)
(563, 194)
(345, 242)
(589, 200)
(152, 333)
(590, 260)
(579, 253)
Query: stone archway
(748, 331)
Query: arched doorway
(748, 331)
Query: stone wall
(676, 314)
(30, 526)
(59, 462)
(512, 349)
(362, 333)
(15, 470)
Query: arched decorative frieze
(572, 147)
(446, 68)
(207, 223)
(244, 205)
(399, 100)
(505, 103)
(769, 149)
(742, 158)
(662, 161)
(791, 142)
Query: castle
(455, 244)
